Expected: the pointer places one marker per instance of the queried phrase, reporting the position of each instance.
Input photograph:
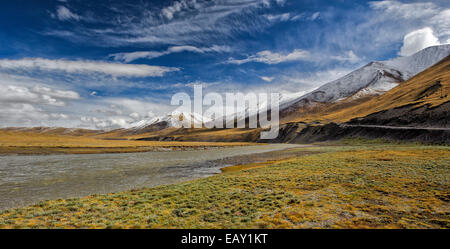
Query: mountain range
(375, 78)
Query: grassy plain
(368, 185)
(16, 142)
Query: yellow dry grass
(37, 143)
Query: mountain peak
(377, 77)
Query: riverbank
(364, 186)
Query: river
(25, 180)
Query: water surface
(28, 179)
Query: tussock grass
(365, 186)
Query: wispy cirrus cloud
(179, 23)
(293, 17)
(348, 56)
(269, 57)
(405, 10)
(279, 17)
(131, 56)
(86, 66)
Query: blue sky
(107, 64)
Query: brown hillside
(429, 88)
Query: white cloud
(55, 92)
(64, 14)
(25, 102)
(292, 17)
(135, 116)
(56, 116)
(84, 66)
(21, 114)
(267, 79)
(178, 6)
(35, 101)
(441, 24)
(418, 40)
(279, 18)
(298, 17)
(35, 95)
(349, 56)
(315, 15)
(269, 57)
(106, 123)
(128, 57)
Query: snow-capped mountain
(282, 98)
(372, 79)
(145, 122)
(375, 77)
(174, 119)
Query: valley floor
(368, 185)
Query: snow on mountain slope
(282, 99)
(416, 63)
(376, 77)
(174, 119)
(144, 123)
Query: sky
(108, 63)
